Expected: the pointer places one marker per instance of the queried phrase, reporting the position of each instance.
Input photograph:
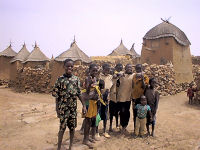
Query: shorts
(68, 119)
(113, 108)
(104, 112)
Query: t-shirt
(108, 82)
(114, 88)
(152, 97)
(138, 91)
(125, 88)
(142, 110)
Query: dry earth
(28, 122)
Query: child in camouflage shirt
(66, 90)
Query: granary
(16, 62)
(37, 59)
(135, 55)
(5, 58)
(121, 50)
(74, 53)
(166, 43)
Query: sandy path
(28, 122)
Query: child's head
(93, 70)
(138, 68)
(143, 100)
(106, 68)
(128, 69)
(152, 82)
(112, 70)
(119, 67)
(68, 66)
(101, 84)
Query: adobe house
(74, 53)
(16, 62)
(167, 43)
(5, 58)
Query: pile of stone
(4, 82)
(164, 75)
(196, 60)
(33, 80)
(196, 72)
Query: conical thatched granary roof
(120, 51)
(74, 53)
(36, 55)
(21, 55)
(166, 29)
(134, 53)
(8, 52)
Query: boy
(190, 94)
(113, 105)
(124, 96)
(94, 94)
(140, 82)
(107, 78)
(66, 90)
(141, 117)
(152, 97)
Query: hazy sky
(98, 25)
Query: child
(93, 92)
(113, 105)
(190, 94)
(124, 96)
(66, 90)
(141, 117)
(107, 78)
(152, 100)
(140, 82)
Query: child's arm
(157, 96)
(80, 97)
(149, 112)
(55, 93)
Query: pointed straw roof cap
(134, 53)
(36, 55)
(8, 52)
(120, 50)
(21, 55)
(74, 53)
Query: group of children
(109, 92)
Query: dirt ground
(28, 122)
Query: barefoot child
(140, 82)
(190, 94)
(124, 96)
(152, 97)
(107, 78)
(66, 90)
(94, 94)
(141, 117)
(113, 105)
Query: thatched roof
(21, 55)
(120, 51)
(166, 29)
(8, 52)
(134, 53)
(74, 53)
(36, 55)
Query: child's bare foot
(87, 143)
(92, 140)
(106, 135)
(152, 134)
(110, 129)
